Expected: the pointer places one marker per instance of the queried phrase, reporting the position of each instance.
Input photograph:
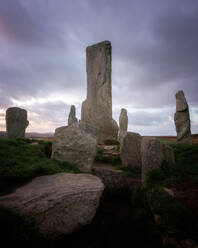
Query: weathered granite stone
(16, 122)
(72, 115)
(123, 125)
(59, 204)
(97, 108)
(153, 154)
(89, 129)
(131, 150)
(73, 144)
(182, 119)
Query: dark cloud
(155, 52)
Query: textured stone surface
(89, 129)
(72, 115)
(59, 203)
(123, 125)
(153, 154)
(73, 144)
(16, 122)
(131, 150)
(112, 178)
(182, 119)
(97, 108)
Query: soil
(187, 192)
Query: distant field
(174, 139)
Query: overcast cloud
(155, 54)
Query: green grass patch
(111, 142)
(185, 169)
(21, 161)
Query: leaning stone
(182, 119)
(59, 204)
(131, 150)
(153, 154)
(16, 122)
(72, 115)
(74, 145)
(97, 108)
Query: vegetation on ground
(111, 142)
(185, 169)
(23, 159)
(177, 217)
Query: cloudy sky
(154, 54)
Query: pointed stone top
(72, 115)
(181, 103)
(124, 111)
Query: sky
(154, 54)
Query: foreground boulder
(182, 119)
(73, 144)
(131, 150)
(60, 203)
(16, 122)
(153, 154)
(97, 108)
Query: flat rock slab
(110, 176)
(59, 203)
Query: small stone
(153, 154)
(16, 122)
(131, 150)
(74, 145)
(72, 116)
(123, 125)
(182, 119)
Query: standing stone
(74, 145)
(16, 122)
(182, 119)
(131, 150)
(72, 115)
(123, 124)
(97, 108)
(153, 154)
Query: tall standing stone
(182, 119)
(16, 122)
(97, 108)
(123, 124)
(72, 115)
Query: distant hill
(30, 135)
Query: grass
(20, 161)
(176, 217)
(111, 142)
(185, 169)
